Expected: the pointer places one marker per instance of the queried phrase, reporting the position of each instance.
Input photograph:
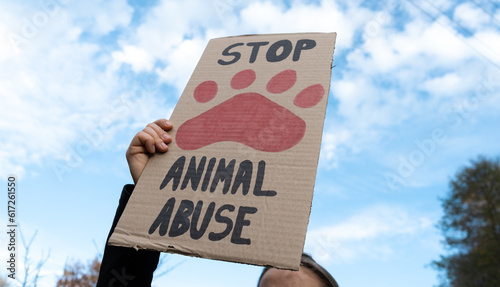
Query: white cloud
(101, 17)
(471, 16)
(168, 24)
(332, 141)
(6, 50)
(449, 84)
(374, 232)
(399, 77)
(56, 88)
(182, 62)
(484, 44)
(138, 58)
(328, 17)
(177, 41)
(420, 45)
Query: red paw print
(249, 118)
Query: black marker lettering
(255, 49)
(198, 233)
(212, 236)
(272, 55)
(243, 176)
(239, 223)
(304, 44)
(236, 55)
(224, 173)
(193, 173)
(163, 218)
(208, 174)
(181, 222)
(174, 173)
(257, 191)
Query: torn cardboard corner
(238, 179)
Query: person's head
(310, 274)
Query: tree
(31, 270)
(471, 227)
(78, 275)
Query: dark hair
(308, 262)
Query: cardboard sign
(238, 179)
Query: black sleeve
(123, 266)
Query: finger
(164, 124)
(162, 134)
(161, 137)
(145, 139)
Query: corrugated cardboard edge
(319, 146)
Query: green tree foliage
(471, 227)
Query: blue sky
(415, 95)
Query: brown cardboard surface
(238, 179)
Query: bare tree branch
(31, 276)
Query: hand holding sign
(146, 142)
